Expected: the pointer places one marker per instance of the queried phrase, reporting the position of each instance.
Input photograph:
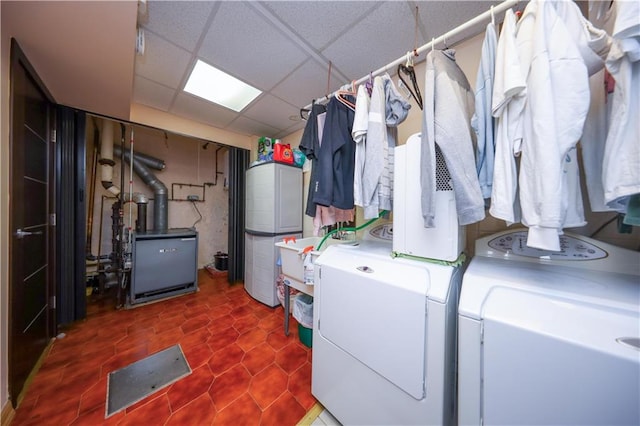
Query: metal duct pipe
(141, 201)
(154, 163)
(160, 193)
(141, 222)
(106, 157)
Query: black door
(31, 251)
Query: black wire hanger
(304, 113)
(409, 71)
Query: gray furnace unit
(164, 264)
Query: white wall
(187, 162)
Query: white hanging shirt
(359, 134)
(621, 166)
(593, 45)
(508, 100)
(627, 27)
(596, 125)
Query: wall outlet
(193, 197)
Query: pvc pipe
(106, 158)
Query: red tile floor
(245, 371)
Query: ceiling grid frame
(92, 33)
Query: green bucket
(305, 334)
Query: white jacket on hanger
(448, 107)
(553, 118)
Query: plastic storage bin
(303, 310)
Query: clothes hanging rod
(485, 16)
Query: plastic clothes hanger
(369, 84)
(408, 70)
(347, 90)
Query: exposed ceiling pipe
(160, 193)
(153, 162)
(106, 157)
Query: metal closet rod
(495, 10)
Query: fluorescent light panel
(219, 87)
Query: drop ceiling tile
(361, 50)
(272, 111)
(438, 17)
(246, 46)
(185, 31)
(162, 62)
(297, 126)
(248, 126)
(190, 106)
(152, 94)
(306, 83)
(320, 22)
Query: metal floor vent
(136, 381)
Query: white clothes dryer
(384, 336)
(549, 337)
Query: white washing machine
(384, 343)
(549, 337)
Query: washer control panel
(571, 248)
(383, 231)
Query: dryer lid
(568, 285)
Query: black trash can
(221, 261)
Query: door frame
(19, 59)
